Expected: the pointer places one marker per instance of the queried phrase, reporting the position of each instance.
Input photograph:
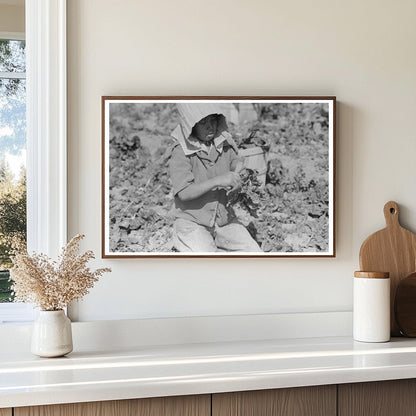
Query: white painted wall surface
(12, 17)
(363, 52)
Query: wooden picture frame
(280, 150)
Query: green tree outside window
(12, 155)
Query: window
(46, 135)
(12, 153)
(12, 165)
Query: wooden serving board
(393, 250)
(405, 306)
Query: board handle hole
(392, 211)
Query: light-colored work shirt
(211, 208)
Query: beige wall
(363, 52)
(12, 18)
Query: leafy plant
(250, 194)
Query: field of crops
(289, 213)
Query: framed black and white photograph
(218, 176)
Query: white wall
(363, 52)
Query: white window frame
(14, 312)
(46, 134)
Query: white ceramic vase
(52, 334)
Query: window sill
(16, 313)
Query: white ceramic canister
(371, 309)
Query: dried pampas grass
(53, 285)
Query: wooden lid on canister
(372, 275)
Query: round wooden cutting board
(405, 305)
(393, 250)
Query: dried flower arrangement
(53, 285)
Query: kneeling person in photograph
(204, 170)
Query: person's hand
(229, 181)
